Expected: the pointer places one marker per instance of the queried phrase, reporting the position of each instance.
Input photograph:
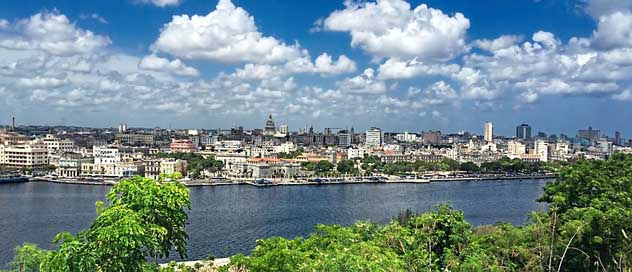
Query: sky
(558, 65)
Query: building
(541, 149)
(105, 155)
(54, 144)
(172, 166)
(617, 138)
(283, 129)
(30, 155)
(136, 139)
(270, 128)
(589, 134)
(183, 145)
(431, 137)
(9, 138)
(489, 131)
(344, 139)
(356, 153)
(523, 131)
(122, 128)
(374, 137)
(515, 149)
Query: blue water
(226, 220)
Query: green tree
(346, 166)
(594, 202)
(144, 219)
(28, 258)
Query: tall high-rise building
(489, 131)
(589, 134)
(344, 138)
(374, 137)
(617, 138)
(523, 131)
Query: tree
(346, 166)
(594, 202)
(324, 166)
(144, 219)
(27, 258)
(469, 167)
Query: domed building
(270, 128)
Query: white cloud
(324, 65)
(366, 83)
(424, 32)
(597, 8)
(624, 96)
(95, 17)
(227, 34)
(501, 42)
(161, 3)
(4, 24)
(397, 69)
(155, 63)
(53, 33)
(613, 31)
(39, 82)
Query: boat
(12, 178)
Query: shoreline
(285, 183)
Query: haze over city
(443, 65)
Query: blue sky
(400, 65)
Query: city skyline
(560, 67)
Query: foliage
(291, 154)
(144, 219)
(594, 202)
(27, 258)
(197, 163)
(346, 166)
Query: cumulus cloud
(53, 33)
(501, 42)
(423, 32)
(397, 69)
(613, 31)
(324, 65)
(366, 83)
(176, 67)
(227, 34)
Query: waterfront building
(489, 131)
(523, 131)
(171, 166)
(374, 137)
(28, 155)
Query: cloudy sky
(401, 65)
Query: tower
(489, 131)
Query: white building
(542, 150)
(283, 129)
(286, 147)
(29, 155)
(54, 144)
(515, 149)
(374, 137)
(356, 153)
(489, 131)
(104, 154)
